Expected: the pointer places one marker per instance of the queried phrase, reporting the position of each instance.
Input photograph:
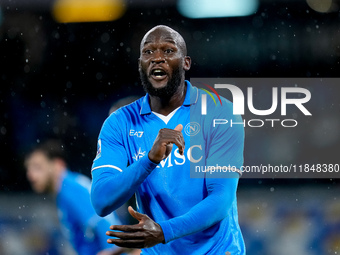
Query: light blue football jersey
(197, 211)
(79, 223)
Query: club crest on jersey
(99, 149)
(136, 133)
(139, 154)
(192, 128)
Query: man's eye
(148, 51)
(169, 50)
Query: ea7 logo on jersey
(136, 133)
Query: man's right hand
(165, 139)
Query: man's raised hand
(164, 141)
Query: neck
(165, 106)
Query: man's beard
(168, 90)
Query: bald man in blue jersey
(150, 148)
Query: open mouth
(158, 73)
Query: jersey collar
(190, 98)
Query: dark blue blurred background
(60, 79)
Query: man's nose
(158, 57)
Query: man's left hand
(145, 234)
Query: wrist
(147, 164)
(161, 234)
(153, 160)
(167, 231)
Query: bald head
(164, 33)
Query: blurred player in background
(47, 172)
(122, 102)
(136, 154)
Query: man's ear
(187, 63)
(59, 164)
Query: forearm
(209, 211)
(111, 188)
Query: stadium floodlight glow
(197, 9)
(68, 11)
(320, 6)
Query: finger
(182, 145)
(138, 216)
(168, 150)
(127, 243)
(127, 228)
(173, 136)
(179, 141)
(126, 235)
(179, 127)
